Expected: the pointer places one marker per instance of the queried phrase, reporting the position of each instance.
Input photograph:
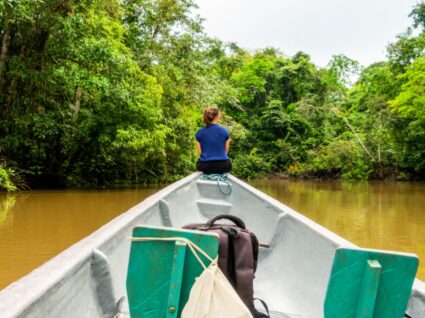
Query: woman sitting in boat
(212, 143)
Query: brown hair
(209, 114)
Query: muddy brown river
(37, 225)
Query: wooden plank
(348, 292)
(369, 289)
(176, 280)
(154, 270)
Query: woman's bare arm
(198, 147)
(227, 145)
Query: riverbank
(388, 176)
(7, 176)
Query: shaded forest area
(107, 92)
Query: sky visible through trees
(360, 29)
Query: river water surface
(378, 215)
(37, 225)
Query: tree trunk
(380, 166)
(77, 104)
(3, 54)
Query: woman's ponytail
(210, 114)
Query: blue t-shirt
(213, 142)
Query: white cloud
(361, 29)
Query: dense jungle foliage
(102, 92)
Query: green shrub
(403, 176)
(297, 169)
(251, 165)
(345, 158)
(5, 183)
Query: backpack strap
(244, 269)
(224, 253)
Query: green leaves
(5, 183)
(410, 106)
(418, 15)
(252, 78)
(410, 103)
(96, 92)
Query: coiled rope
(220, 178)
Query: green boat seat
(369, 284)
(162, 270)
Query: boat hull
(88, 279)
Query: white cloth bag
(212, 296)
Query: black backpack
(237, 256)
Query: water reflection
(7, 202)
(380, 215)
